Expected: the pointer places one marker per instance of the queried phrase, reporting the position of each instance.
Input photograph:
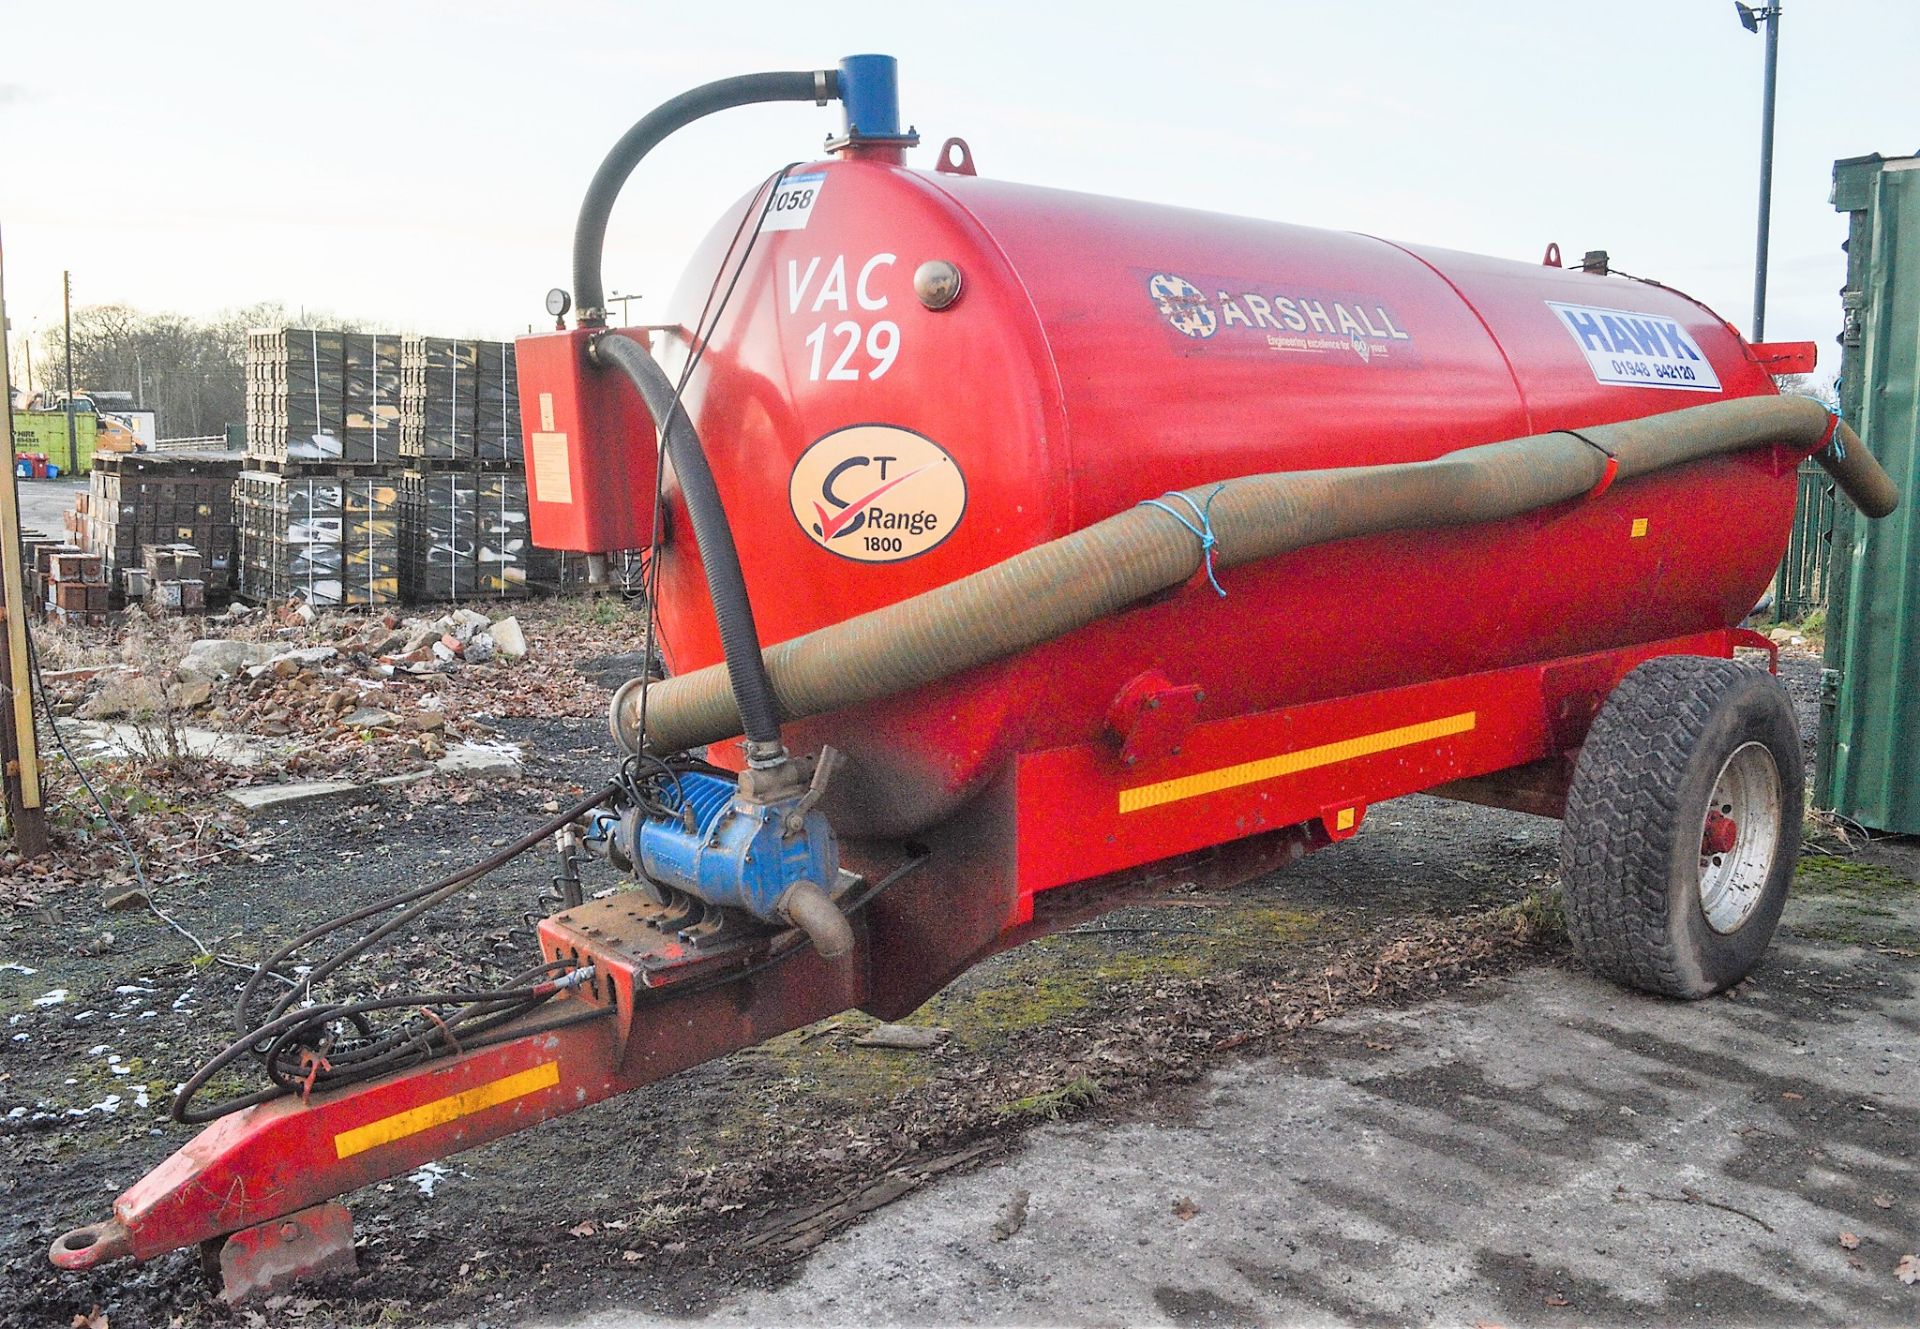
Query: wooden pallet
(471, 465)
(170, 463)
(306, 467)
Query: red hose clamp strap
(1606, 475)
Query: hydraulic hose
(590, 232)
(750, 698)
(1054, 588)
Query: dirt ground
(720, 1179)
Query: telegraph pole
(73, 429)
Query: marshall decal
(1214, 314)
(877, 493)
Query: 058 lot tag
(793, 201)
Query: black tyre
(1683, 826)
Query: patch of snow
(428, 1176)
(13, 967)
(53, 998)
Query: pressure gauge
(558, 302)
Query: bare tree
(192, 372)
(1822, 388)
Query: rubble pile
(376, 679)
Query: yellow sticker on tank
(1639, 527)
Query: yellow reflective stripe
(1146, 796)
(443, 1110)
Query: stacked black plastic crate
(464, 494)
(328, 539)
(318, 507)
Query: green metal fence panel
(1801, 586)
(1869, 755)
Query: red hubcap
(1721, 832)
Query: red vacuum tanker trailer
(1007, 546)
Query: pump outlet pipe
(1055, 588)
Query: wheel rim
(1739, 835)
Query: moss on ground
(1862, 904)
(1056, 977)
(1829, 874)
(1052, 1104)
(1048, 982)
(821, 1061)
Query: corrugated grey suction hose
(1067, 583)
(752, 708)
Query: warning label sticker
(1631, 350)
(793, 200)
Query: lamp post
(1751, 18)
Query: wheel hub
(1723, 832)
(1739, 836)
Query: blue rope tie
(1837, 445)
(1203, 532)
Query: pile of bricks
(172, 576)
(77, 521)
(73, 585)
(325, 511)
(464, 534)
(140, 499)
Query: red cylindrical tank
(1102, 353)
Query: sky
(420, 165)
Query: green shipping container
(46, 432)
(1869, 757)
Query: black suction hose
(590, 232)
(739, 638)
